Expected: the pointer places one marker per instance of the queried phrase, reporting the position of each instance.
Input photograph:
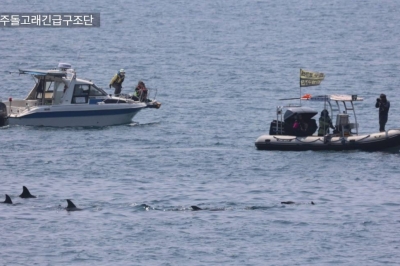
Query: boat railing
(279, 120)
(151, 95)
(18, 106)
(348, 108)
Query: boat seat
(353, 125)
(342, 119)
(48, 101)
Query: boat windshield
(83, 92)
(96, 91)
(88, 90)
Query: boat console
(343, 126)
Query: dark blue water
(220, 68)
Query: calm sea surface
(219, 68)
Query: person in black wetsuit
(383, 104)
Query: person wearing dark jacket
(325, 123)
(383, 104)
(141, 91)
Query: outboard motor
(3, 115)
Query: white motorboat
(60, 99)
(285, 135)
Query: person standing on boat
(383, 104)
(325, 123)
(116, 82)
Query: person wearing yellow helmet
(116, 81)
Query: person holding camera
(383, 104)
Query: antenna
(79, 54)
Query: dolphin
(292, 202)
(287, 202)
(195, 208)
(71, 207)
(8, 200)
(26, 194)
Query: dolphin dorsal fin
(70, 204)
(195, 208)
(26, 193)
(8, 200)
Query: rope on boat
(307, 141)
(284, 139)
(343, 140)
(364, 138)
(336, 140)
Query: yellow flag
(308, 78)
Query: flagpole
(300, 87)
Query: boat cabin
(55, 87)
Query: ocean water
(220, 68)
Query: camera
(378, 99)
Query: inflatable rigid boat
(283, 135)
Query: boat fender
(343, 141)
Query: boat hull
(372, 142)
(73, 116)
